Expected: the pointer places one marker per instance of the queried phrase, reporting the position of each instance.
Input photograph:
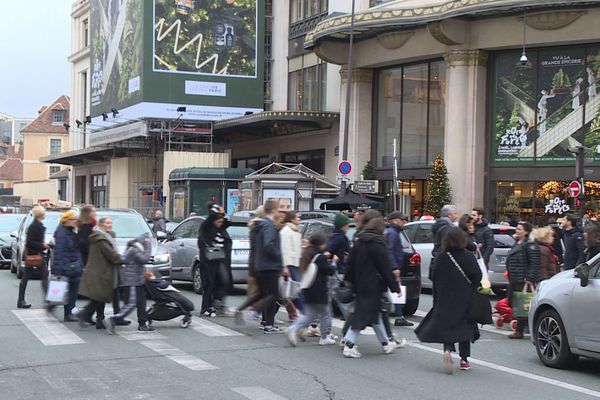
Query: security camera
(523, 60)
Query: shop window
(308, 88)
(313, 159)
(99, 190)
(411, 109)
(541, 111)
(252, 162)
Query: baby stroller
(168, 304)
(503, 314)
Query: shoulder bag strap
(459, 268)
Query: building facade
(501, 89)
(11, 128)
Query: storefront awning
(408, 14)
(91, 154)
(276, 123)
(194, 174)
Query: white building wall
(279, 72)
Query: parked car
(182, 244)
(317, 214)
(410, 273)
(564, 317)
(421, 237)
(127, 224)
(8, 223)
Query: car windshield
(10, 222)
(128, 225)
(238, 232)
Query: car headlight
(161, 258)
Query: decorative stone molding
(552, 20)
(394, 40)
(359, 75)
(449, 32)
(466, 58)
(326, 55)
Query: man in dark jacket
(338, 243)
(396, 221)
(484, 236)
(449, 215)
(268, 265)
(574, 243)
(160, 225)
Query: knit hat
(67, 216)
(396, 215)
(340, 220)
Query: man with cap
(396, 254)
(338, 245)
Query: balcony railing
(304, 26)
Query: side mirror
(583, 273)
(160, 235)
(13, 234)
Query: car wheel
(197, 279)
(411, 307)
(550, 339)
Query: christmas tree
(439, 188)
(368, 171)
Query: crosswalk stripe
(257, 393)
(134, 335)
(46, 328)
(211, 329)
(177, 355)
(486, 328)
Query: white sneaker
(327, 340)
(351, 352)
(390, 347)
(342, 343)
(292, 337)
(313, 331)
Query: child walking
(316, 297)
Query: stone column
(359, 129)
(464, 144)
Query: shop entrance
(411, 196)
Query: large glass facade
(547, 106)
(308, 88)
(410, 109)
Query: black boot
(21, 303)
(100, 323)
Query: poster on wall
(542, 110)
(179, 204)
(286, 198)
(116, 48)
(233, 201)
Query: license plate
(241, 252)
(501, 260)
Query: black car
(410, 273)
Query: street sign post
(575, 189)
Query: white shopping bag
(485, 280)
(399, 298)
(58, 291)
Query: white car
(564, 316)
(421, 237)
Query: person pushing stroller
(132, 279)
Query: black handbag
(480, 309)
(72, 270)
(214, 253)
(344, 293)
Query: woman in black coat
(447, 321)
(35, 243)
(591, 235)
(370, 273)
(215, 274)
(85, 227)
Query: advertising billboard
(152, 57)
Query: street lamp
(348, 93)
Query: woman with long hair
(35, 244)
(85, 226)
(544, 237)
(455, 275)
(291, 251)
(370, 274)
(591, 235)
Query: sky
(35, 41)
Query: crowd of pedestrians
(369, 265)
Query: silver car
(564, 316)
(182, 244)
(421, 236)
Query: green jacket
(101, 274)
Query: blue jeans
(352, 334)
(73, 291)
(313, 312)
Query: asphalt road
(41, 358)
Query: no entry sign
(575, 188)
